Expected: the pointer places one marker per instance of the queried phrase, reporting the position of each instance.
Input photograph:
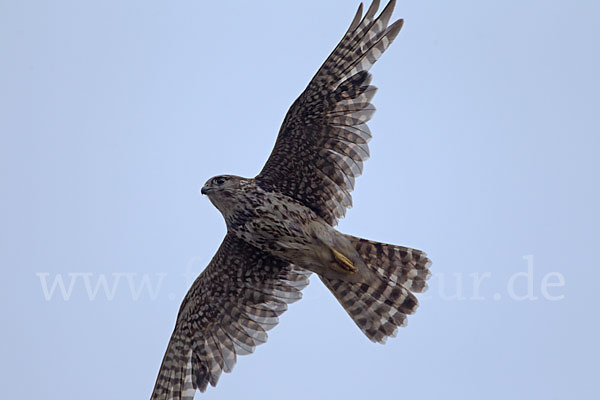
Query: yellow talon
(343, 264)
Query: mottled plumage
(280, 228)
(226, 312)
(323, 140)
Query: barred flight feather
(401, 265)
(306, 164)
(379, 307)
(227, 312)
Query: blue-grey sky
(484, 154)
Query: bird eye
(219, 181)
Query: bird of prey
(280, 228)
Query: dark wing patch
(322, 143)
(226, 313)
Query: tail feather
(380, 306)
(401, 265)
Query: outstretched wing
(226, 313)
(322, 143)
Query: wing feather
(322, 143)
(227, 312)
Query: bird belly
(282, 234)
(293, 232)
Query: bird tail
(381, 305)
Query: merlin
(280, 228)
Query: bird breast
(276, 223)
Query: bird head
(223, 190)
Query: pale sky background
(485, 151)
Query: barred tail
(381, 303)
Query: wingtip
(394, 29)
(357, 18)
(372, 10)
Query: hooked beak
(204, 190)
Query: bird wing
(322, 142)
(226, 313)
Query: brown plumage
(280, 228)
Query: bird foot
(342, 263)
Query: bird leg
(342, 263)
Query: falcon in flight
(280, 228)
